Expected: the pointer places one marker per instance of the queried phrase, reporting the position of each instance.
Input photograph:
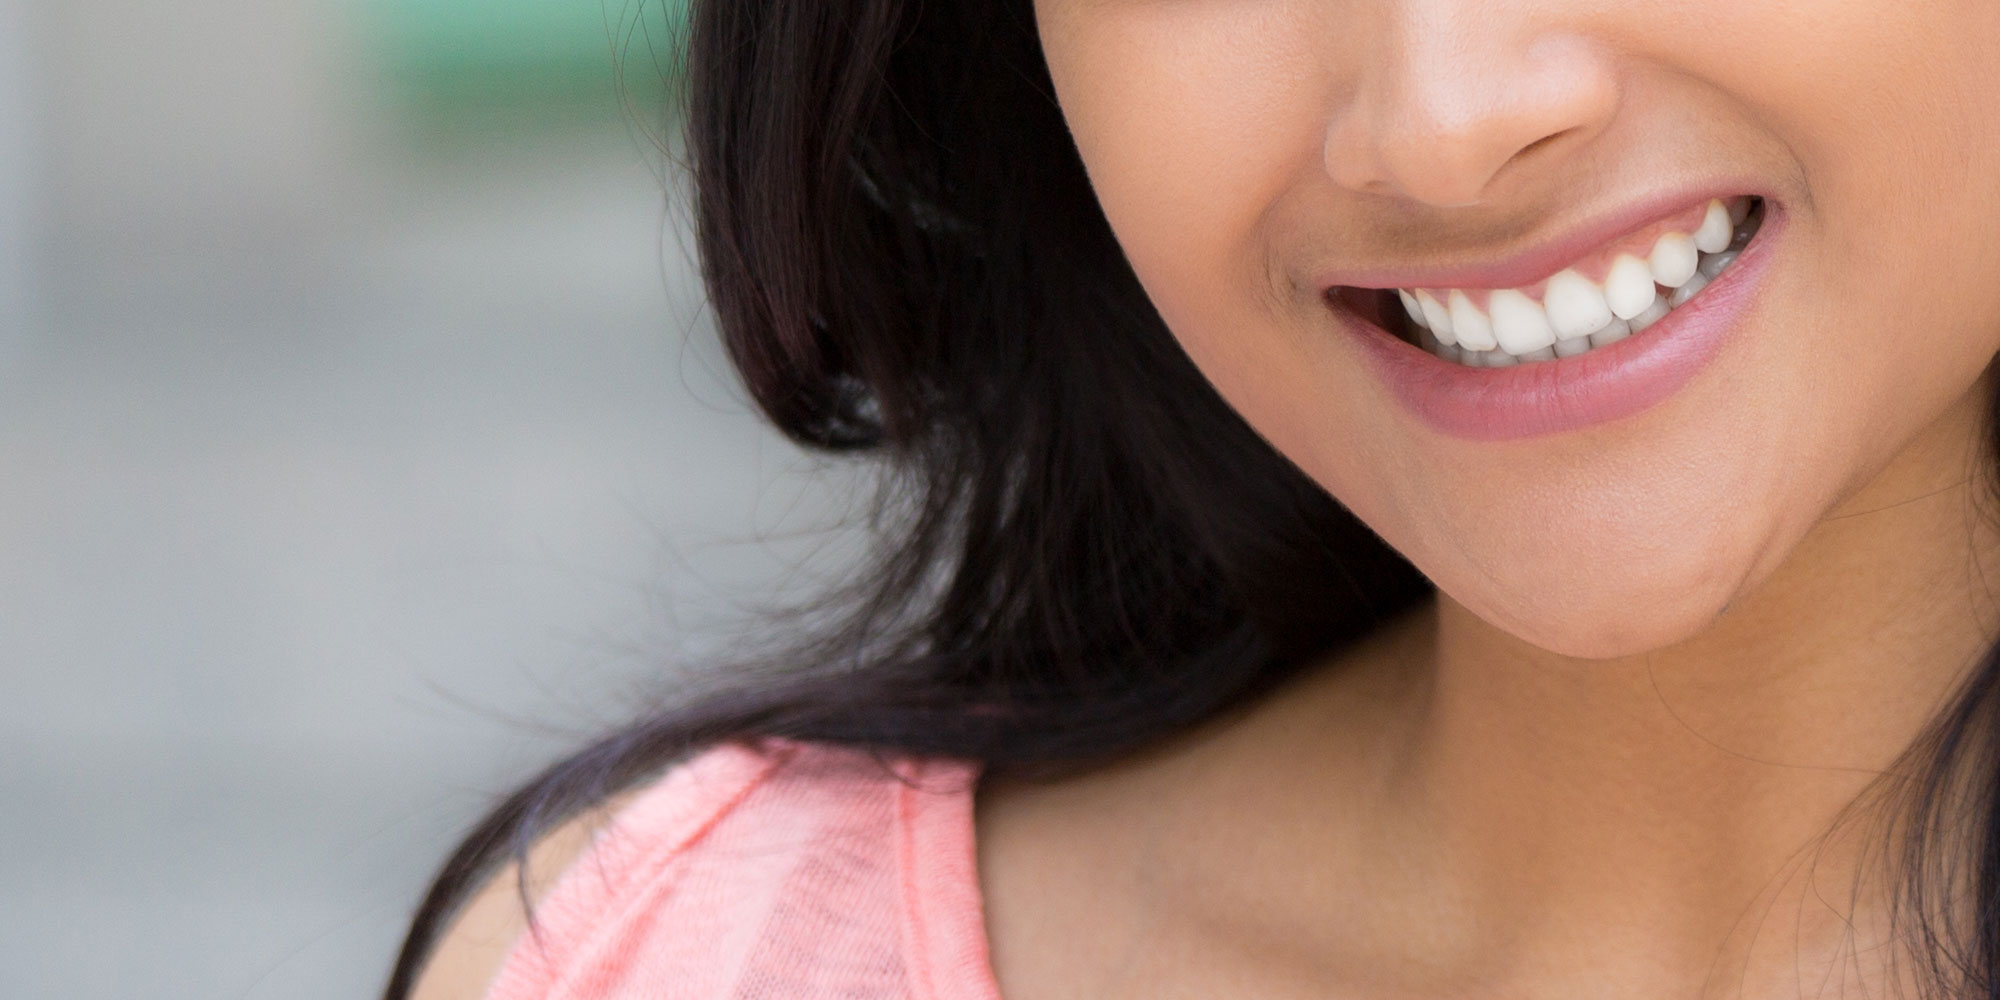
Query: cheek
(1194, 120)
(1893, 113)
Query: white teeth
(1613, 332)
(1653, 314)
(1674, 259)
(1436, 318)
(1686, 292)
(1576, 315)
(1519, 323)
(1473, 329)
(1575, 306)
(1410, 306)
(1716, 229)
(1628, 289)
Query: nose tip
(1440, 121)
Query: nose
(1464, 93)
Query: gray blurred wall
(346, 473)
(19, 199)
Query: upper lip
(1537, 262)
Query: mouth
(1584, 330)
(1616, 291)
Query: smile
(1572, 312)
(1598, 332)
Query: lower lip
(1604, 384)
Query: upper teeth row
(1573, 307)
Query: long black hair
(1090, 549)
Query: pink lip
(1547, 397)
(1536, 264)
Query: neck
(1680, 784)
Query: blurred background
(363, 444)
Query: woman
(1412, 499)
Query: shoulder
(489, 923)
(690, 876)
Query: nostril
(1539, 144)
(1527, 152)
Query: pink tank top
(773, 870)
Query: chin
(1610, 632)
(1602, 605)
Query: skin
(1636, 746)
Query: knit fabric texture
(770, 870)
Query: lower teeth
(1710, 267)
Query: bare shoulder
(481, 936)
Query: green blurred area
(465, 63)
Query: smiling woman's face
(1277, 169)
